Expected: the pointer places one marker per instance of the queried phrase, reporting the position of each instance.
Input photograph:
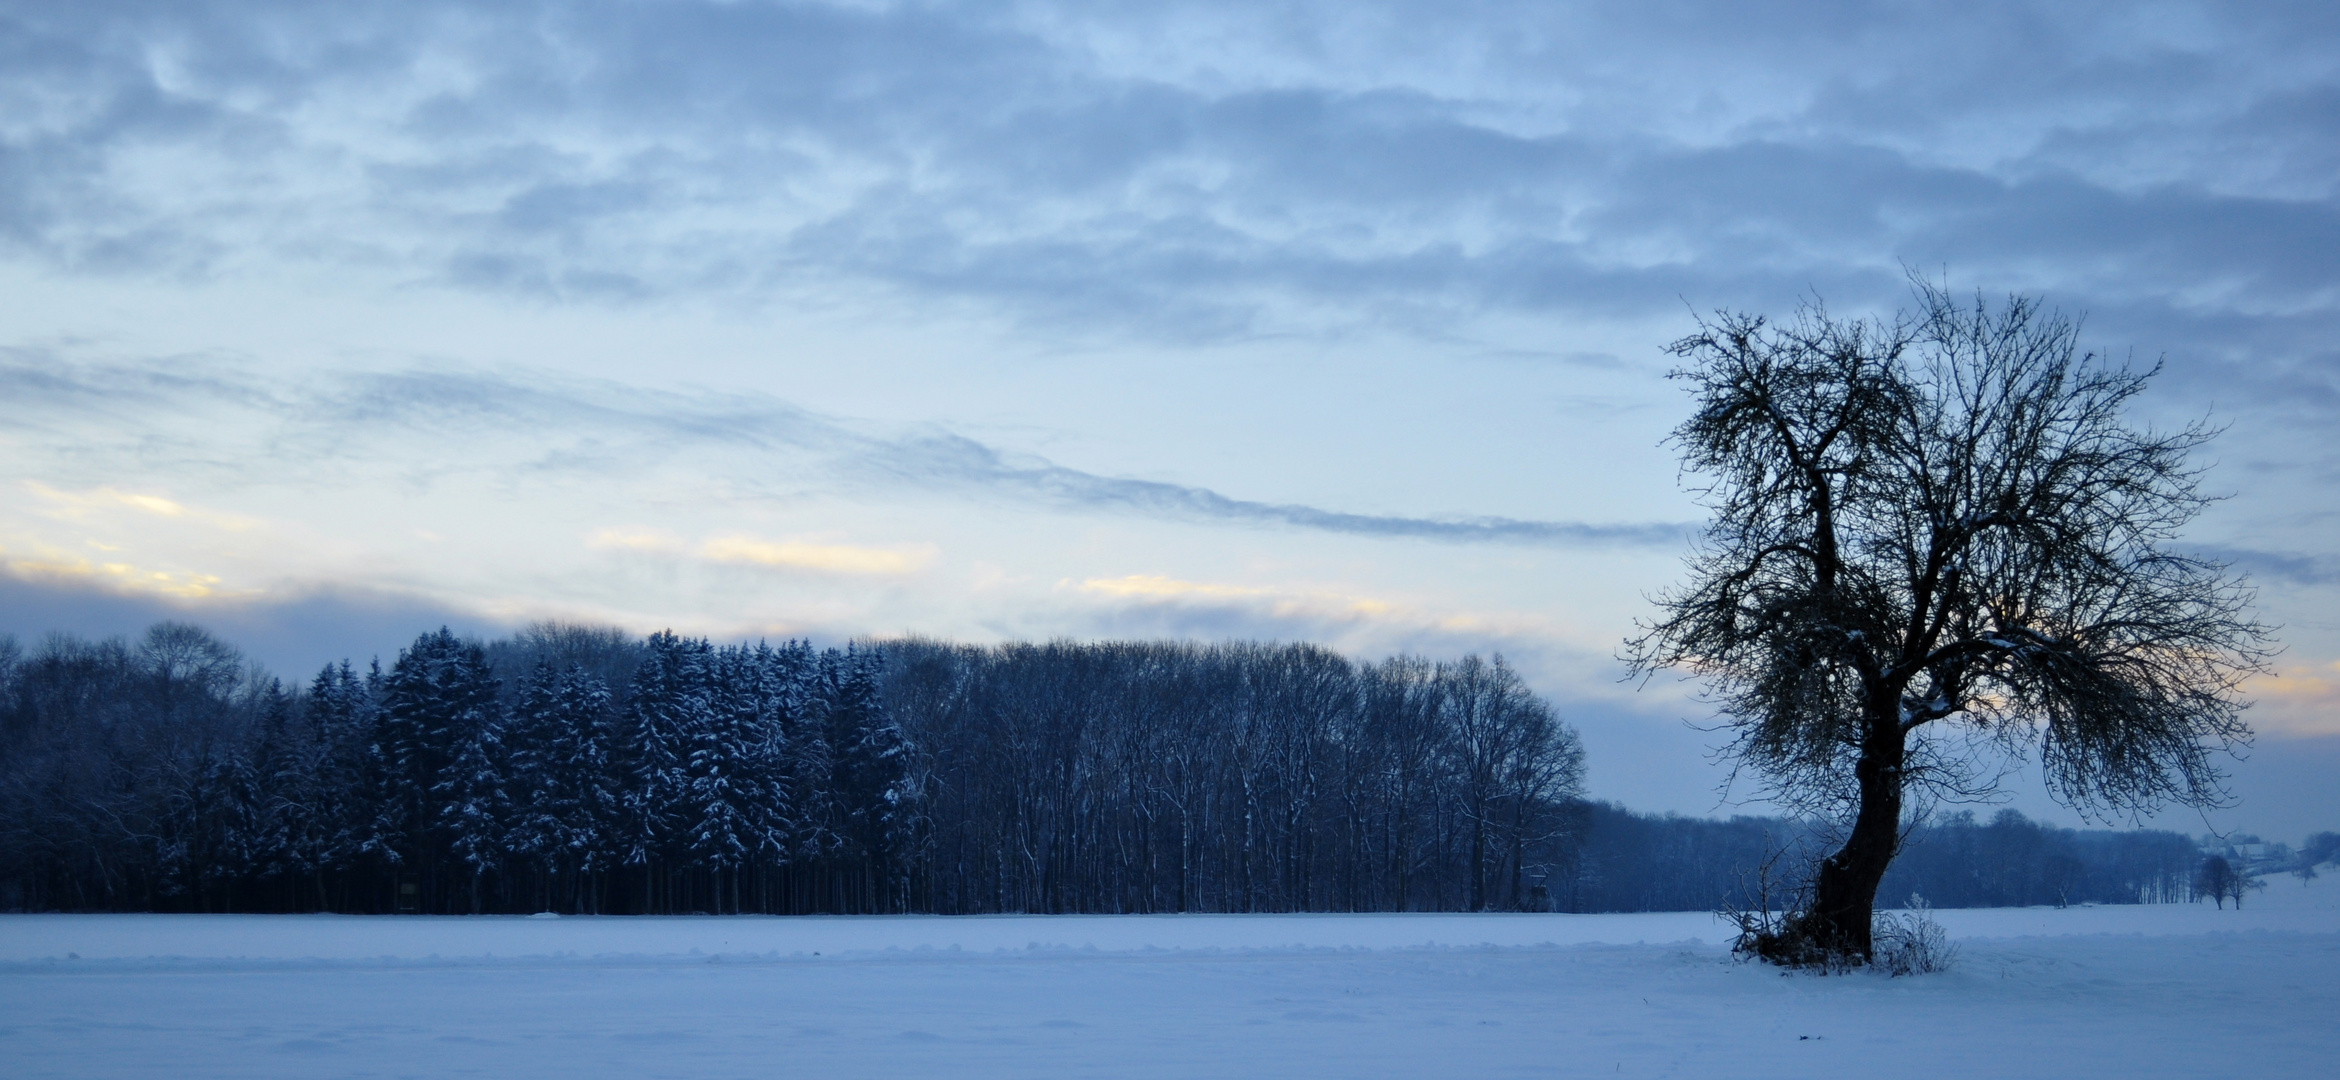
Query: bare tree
(1511, 757)
(1935, 542)
(2219, 879)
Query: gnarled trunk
(1844, 891)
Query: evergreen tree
(812, 760)
(281, 790)
(775, 679)
(798, 829)
(338, 822)
(588, 790)
(723, 772)
(565, 803)
(473, 806)
(210, 848)
(534, 777)
(668, 702)
(874, 803)
(435, 700)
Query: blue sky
(1339, 322)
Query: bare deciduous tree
(2221, 880)
(1936, 540)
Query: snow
(2179, 990)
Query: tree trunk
(1478, 898)
(1844, 891)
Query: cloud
(1575, 662)
(113, 576)
(1155, 586)
(651, 540)
(2266, 567)
(1279, 603)
(1185, 172)
(292, 633)
(1324, 609)
(123, 541)
(555, 423)
(1384, 194)
(955, 461)
(819, 558)
(2297, 701)
(80, 506)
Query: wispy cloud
(111, 575)
(2272, 567)
(1278, 602)
(955, 461)
(819, 558)
(1155, 586)
(545, 417)
(1157, 605)
(2298, 700)
(624, 539)
(122, 541)
(81, 506)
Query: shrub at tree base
(1906, 943)
(1911, 943)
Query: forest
(579, 769)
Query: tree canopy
(1938, 544)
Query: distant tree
(778, 691)
(724, 773)
(565, 809)
(534, 775)
(435, 701)
(1943, 521)
(2246, 880)
(337, 824)
(874, 782)
(588, 793)
(810, 762)
(474, 807)
(1509, 753)
(2218, 879)
(186, 743)
(286, 790)
(605, 652)
(667, 705)
(1542, 782)
(188, 665)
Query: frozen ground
(2178, 991)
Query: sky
(327, 323)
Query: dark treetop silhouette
(1936, 540)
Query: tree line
(1146, 777)
(577, 769)
(1623, 861)
(580, 769)
(564, 769)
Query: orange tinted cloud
(2297, 701)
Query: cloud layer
(1188, 169)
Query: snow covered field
(2177, 991)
